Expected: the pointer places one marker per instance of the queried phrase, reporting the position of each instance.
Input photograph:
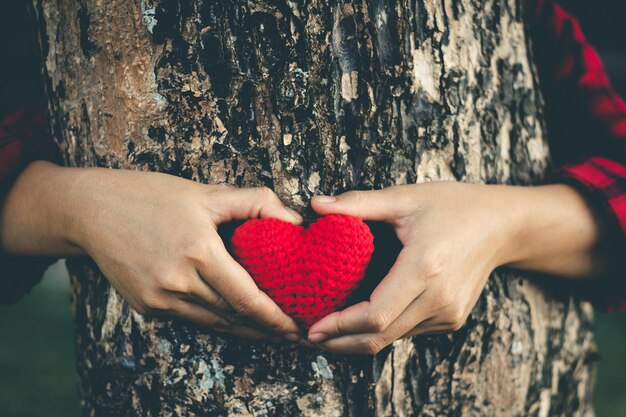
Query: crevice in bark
(312, 96)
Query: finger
(438, 322)
(203, 294)
(198, 291)
(194, 313)
(364, 344)
(226, 311)
(339, 323)
(376, 205)
(390, 298)
(250, 203)
(251, 333)
(236, 286)
(203, 317)
(372, 342)
(445, 320)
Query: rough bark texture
(309, 96)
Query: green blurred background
(37, 376)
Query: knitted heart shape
(310, 272)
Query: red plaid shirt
(23, 138)
(586, 123)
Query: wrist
(552, 230)
(506, 216)
(35, 213)
(521, 211)
(71, 211)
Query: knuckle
(248, 304)
(161, 275)
(434, 264)
(339, 326)
(213, 246)
(196, 250)
(231, 316)
(456, 318)
(376, 321)
(222, 324)
(276, 326)
(181, 285)
(356, 196)
(155, 304)
(266, 193)
(446, 298)
(173, 283)
(221, 304)
(373, 344)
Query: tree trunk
(309, 96)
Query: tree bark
(309, 96)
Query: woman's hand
(453, 236)
(154, 236)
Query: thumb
(376, 205)
(250, 203)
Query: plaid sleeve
(603, 182)
(586, 126)
(24, 137)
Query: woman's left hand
(453, 236)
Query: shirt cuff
(603, 182)
(24, 137)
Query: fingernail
(325, 199)
(292, 337)
(317, 337)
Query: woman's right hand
(154, 236)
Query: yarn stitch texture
(310, 272)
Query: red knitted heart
(308, 272)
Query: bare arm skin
(453, 236)
(154, 236)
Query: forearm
(453, 236)
(34, 216)
(551, 229)
(555, 231)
